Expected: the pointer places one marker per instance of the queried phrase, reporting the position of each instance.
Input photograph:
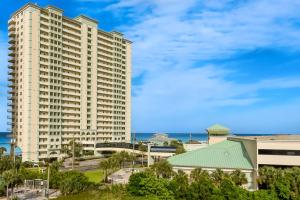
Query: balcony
(11, 66)
(12, 26)
(11, 78)
(12, 40)
(11, 33)
(12, 47)
(11, 72)
(11, 60)
(71, 33)
(12, 53)
(10, 104)
(10, 110)
(10, 97)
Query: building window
(279, 152)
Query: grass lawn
(95, 176)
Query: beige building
(68, 79)
(276, 150)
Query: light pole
(133, 147)
(148, 156)
(48, 180)
(48, 175)
(73, 152)
(12, 149)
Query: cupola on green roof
(218, 129)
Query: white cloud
(171, 37)
(181, 31)
(182, 95)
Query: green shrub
(73, 182)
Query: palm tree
(179, 146)
(162, 169)
(238, 177)
(105, 165)
(108, 166)
(217, 176)
(143, 149)
(197, 174)
(121, 158)
(267, 177)
(132, 158)
(2, 151)
(11, 178)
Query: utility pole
(148, 156)
(12, 149)
(48, 181)
(73, 153)
(133, 147)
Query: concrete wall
(279, 159)
(192, 147)
(216, 139)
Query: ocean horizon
(143, 136)
(5, 137)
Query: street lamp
(12, 149)
(148, 156)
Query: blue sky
(196, 63)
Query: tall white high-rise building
(68, 80)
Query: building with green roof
(246, 153)
(227, 155)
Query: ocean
(5, 140)
(184, 137)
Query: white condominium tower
(68, 80)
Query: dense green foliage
(284, 183)
(73, 182)
(157, 182)
(13, 174)
(162, 169)
(275, 184)
(113, 193)
(179, 146)
(147, 184)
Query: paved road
(122, 176)
(83, 165)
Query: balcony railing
(12, 33)
(11, 60)
(11, 27)
(12, 53)
(12, 40)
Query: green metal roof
(218, 130)
(227, 154)
(218, 127)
